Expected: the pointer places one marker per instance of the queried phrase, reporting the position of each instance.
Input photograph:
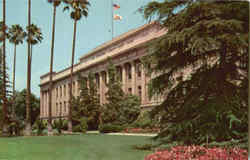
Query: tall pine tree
(212, 38)
(120, 108)
(87, 104)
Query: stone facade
(125, 52)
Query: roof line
(117, 39)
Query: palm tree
(79, 9)
(35, 38)
(4, 98)
(16, 36)
(55, 4)
(28, 107)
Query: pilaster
(124, 78)
(41, 104)
(101, 87)
(143, 86)
(133, 72)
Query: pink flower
(199, 153)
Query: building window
(56, 108)
(139, 91)
(97, 80)
(73, 88)
(65, 107)
(60, 110)
(56, 92)
(105, 77)
(119, 73)
(139, 66)
(129, 90)
(64, 90)
(60, 91)
(69, 88)
(129, 71)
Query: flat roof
(117, 39)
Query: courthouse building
(125, 51)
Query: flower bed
(198, 153)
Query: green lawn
(77, 147)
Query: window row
(139, 91)
(63, 90)
(61, 108)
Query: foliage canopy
(206, 38)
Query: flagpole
(112, 18)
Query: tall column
(123, 78)
(143, 86)
(133, 78)
(106, 78)
(77, 89)
(53, 100)
(44, 103)
(41, 104)
(101, 87)
(47, 104)
(67, 99)
(107, 74)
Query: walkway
(125, 134)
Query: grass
(76, 147)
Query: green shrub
(58, 124)
(82, 126)
(45, 122)
(38, 127)
(34, 132)
(76, 128)
(144, 121)
(108, 128)
(65, 124)
(45, 132)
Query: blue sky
(91, 32)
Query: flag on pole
(116, 6)
(117, 17)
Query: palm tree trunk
(51, 72)
(71, 80)
(31, 53)
(14, 81)
(28, 114)
(5, 125)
